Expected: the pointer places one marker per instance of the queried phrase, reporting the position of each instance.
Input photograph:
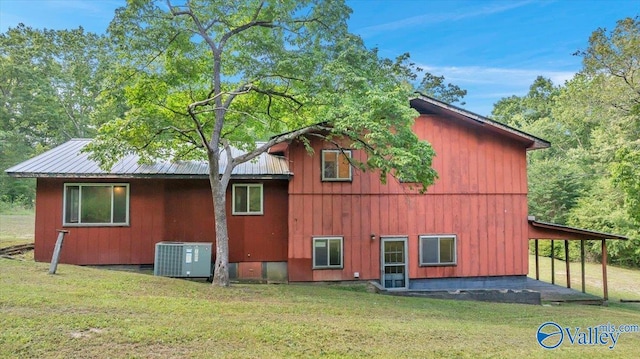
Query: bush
(19, 205)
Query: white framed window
(327, 252)
(96, 204)
(438, 250)
(247, 199)
(336, 165)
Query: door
(394, 263)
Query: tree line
(51, 85)
(590, 177)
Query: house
(311, 218)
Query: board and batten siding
(161, 210)
(133, 244)
(480, 196)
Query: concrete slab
(555, 293)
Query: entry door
(394, 263)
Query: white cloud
(487, 85)
(504, 77)
(435, 18)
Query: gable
(469, 159)
(429, 106)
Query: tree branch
(226, 175)
(271, 93)
(242, 89)
(275, 140)
(254, 22)
(202, 30)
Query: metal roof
(68, 160)
(425, 104)
(570, 233)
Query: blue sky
(494, 49)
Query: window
(335, 165)
(327, 252)
(89, 204)
(247, 199)
(437, 250)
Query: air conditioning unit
(183, 259)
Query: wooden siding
(261, 238)
(481, 196)
(161, 210)
(133, 244)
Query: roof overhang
(426, 105)
(69, 161)
(110, 176)
(544, 230)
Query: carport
(556, 232)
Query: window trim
(248, 212)
(339, 152)
(439, 237)
(126, 223)
(328, 239)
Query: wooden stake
(56, 252)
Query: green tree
(602, 209)
(589, 178)
(612, 60)
(524, 111)
(50, 81)
(204, 76)
(555, 183)
(435, 86)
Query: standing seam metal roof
(68, 160)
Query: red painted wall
(101, 245)
(481, 196)
(161, 210)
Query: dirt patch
(86, 333)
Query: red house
(301, 218)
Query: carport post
(582, 262)
(566, 262)
(604, 270)
(553, 266)
(537, 261)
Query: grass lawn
(16, 229)
(85, 312)
(623, 283)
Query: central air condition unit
(183, 260)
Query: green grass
(85, 312)
(623, 283)
(16, 229)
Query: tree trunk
(218, 191)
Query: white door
(394, 263)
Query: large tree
(612, 60)
(202, 76)
(49, 84)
